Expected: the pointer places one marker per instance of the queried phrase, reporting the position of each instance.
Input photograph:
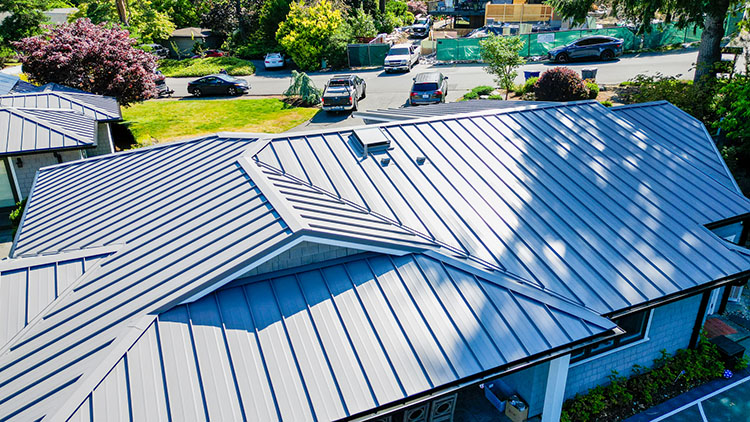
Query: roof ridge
(41, 121)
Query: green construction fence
(365, 55)
(539, 44)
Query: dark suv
(605, 48)
(343, 92)
(429, 88)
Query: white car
(401, 57)
(274, 61)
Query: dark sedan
(604, 48)
(219, 84)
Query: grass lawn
(205, 66)
(168, 120)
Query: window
(734, 230)
(635, 326)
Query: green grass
(168, 120)
(205, 66)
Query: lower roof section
(332, 340)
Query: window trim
(645, 338)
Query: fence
(362, 55)
(538, 44)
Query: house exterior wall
(104, 143)
(530, 384)
(671, 329)
(303, 254)
(33, 162)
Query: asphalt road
(391, 90)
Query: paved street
(390, 90)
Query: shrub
(681, 93)
(560, 84)
(307, 30)
(483, 90)
(502, 57)
(528, 86)
(607, 103)
(593, 90)
(361, 24)
(303, 89)
(16, 214)
(495, 97)
(471, 95)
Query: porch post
(555, 393)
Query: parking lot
(728, 404)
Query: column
(555, 393)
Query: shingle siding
(530, 384)
(303, 254)
(33, 162)
(671, 328)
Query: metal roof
(439, 110)
(99, 107)
(7, 82)
(568, 196)
(35, 130)
(332, 340)
(27, 286)
(680, 133)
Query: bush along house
(50, 125)
(379, 273)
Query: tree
(303, 89)
(361, 24)
(221, 18)
(93, 58)
(24, 20)
(272, 14)
(307, 30)
(502, 57)
(709, 15)
(145, 22)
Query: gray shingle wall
(671, 328)
(33, 162)
(103, 141)
(302, 254)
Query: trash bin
(528, 74)
(589, 73)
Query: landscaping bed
(669, 377)
(205, 66)
(167, 120)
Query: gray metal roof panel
(680, 133)
(31, 130)
(338, 338)
(566, 196)
(98, 107)
(7, 83)
(441, 110)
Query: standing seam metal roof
(332, 340)
(96, 106)
(34, 130)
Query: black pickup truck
(343, 92)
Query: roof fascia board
(291, 219)
(41, 151)
(32, 261)
(483, 376)
(85, 386)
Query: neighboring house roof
(192, 32)
(680, 133)
(438, 110)
(99, 107)
(36, 130)
(335, 339)
(562, 208)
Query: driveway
(388, 90)
(729, 404)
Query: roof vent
(371, 139)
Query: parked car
(603, 47)
(210, 53)
(429, 88)
(274, 60)
(421, 26)
(157, 50)
(218, 84)
(401, 57)
(343, 92)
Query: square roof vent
(371, 139)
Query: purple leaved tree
(94, 58)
